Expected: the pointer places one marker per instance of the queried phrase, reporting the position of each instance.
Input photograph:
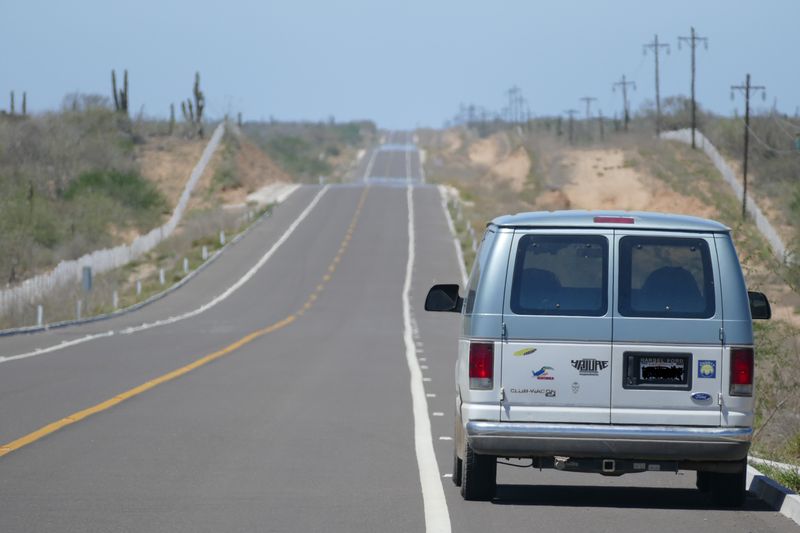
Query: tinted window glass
(561, 275)
(665, 277)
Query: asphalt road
(302, 419)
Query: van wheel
(704, 481)
(478, 476)
(457, 467)
(729, 490)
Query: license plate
(657, 371)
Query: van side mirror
(444, 298)
(759, 306)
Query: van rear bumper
(667, 443)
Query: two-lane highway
(317, 396)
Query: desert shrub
(130, 190)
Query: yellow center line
(178, 372)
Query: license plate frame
(657, 371)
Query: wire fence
(107, 259)
(767, 230)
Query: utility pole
(588, 100)
(747, 88)
(624, 84)
(571, 113)
(514, 104)
(600, 121)
(655, 46)
(693, 39)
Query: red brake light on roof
(613, 220)
(741, 372)
(481, 365)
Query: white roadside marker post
(205, 253)
(39, 315)
(79, 309)
(185, 265)
(161, 278)
(222, 237)
(115, 300)
(138, 287)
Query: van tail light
(741, 371)
(481, 365)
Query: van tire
(478, 476)
(729, 490)
(458, 465)
(704, 481)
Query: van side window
(561, 275)
(666, 277)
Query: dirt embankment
(168, 162)
(604, 179)
(254, 170)
(503, 164)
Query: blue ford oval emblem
(701, 396)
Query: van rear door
(556, 351)
(667, 347)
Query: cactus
(124, 96)
(191, 110)
(184, 112)
(200, 103)
(24, 103)
(121, 96)
(114, 89)
(239, 119)
(171, 118)
(12, 103)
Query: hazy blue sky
(402, 63)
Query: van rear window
(561, 275)
(666, 277)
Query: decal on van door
(706, 368)
(589, 367)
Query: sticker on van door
(706, 368)
(589, 367)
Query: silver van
(605, 342)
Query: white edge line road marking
(370, 164)
(408, 159)
(437, 517)
(459, 253)
(171, 320)
(65, 344)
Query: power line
(783, 128)
(655, 46)
(790, 124)
(765, 145)
(746, 89)
(693, 39)
(624, 84)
